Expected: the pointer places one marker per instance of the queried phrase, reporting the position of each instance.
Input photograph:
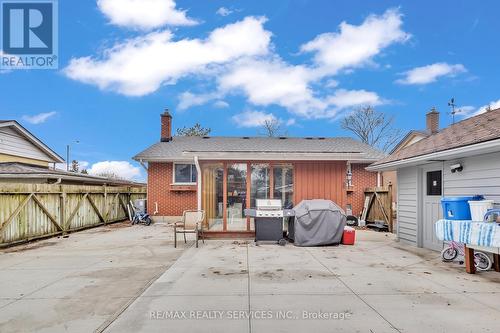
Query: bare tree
(272, 128)
(75, 166)
(108, 174)
(372, 127)
(195, 130)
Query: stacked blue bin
(457, 208)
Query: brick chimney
(166, 126)
(432, 121)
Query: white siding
(407, 204)
(481, 175)
(13, 143)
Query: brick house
(224, 175)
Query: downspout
(198, 181)
(378, 179)
(141, 162)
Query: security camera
(456, 167)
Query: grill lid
(268, 204)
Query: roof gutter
(470, 150)
(86, 180)
(261, 156)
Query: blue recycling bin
(457, 208)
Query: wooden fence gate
(31, 211)
(378, 201)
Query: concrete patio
(135, 283)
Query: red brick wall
(170, 203)
(360, 180)
(173, 203)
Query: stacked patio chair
(191, 223)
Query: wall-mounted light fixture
(456, 167)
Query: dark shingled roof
(480, 128)
(180, 144)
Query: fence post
(105, 204)
(391, 213)
(62, 208)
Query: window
(184, 173)
(434, 182)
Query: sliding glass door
(236, 196)
(283, 184)
(213, 196)
(230, 187)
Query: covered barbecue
(318, 222)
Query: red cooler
(349, 236)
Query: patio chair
(191, 223)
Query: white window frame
(183, 183)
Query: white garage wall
(481, 175)
(407, 204)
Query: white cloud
(430, 73)
(144, 14)
(121, 169)
(270, 80)
(355, 46)
(140, 66)
(348, 98)
(188, 99)
(83, 164)
(223, 11)
(221, 104)
(331, 83)
(39, 118)
(266, 82)
(241, 60)
(470, 111)
(492, 106)
(253, 118)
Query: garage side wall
(481, 175)
(408, 205)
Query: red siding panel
(320, 180)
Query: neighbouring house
(413, 136)
(26, 159)
(18, 145)
(225, 175)
(462, 159)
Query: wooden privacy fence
(378, 205)
(31, 211)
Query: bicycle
(481, 260)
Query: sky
(230, 65)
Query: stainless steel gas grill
(268, 217)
